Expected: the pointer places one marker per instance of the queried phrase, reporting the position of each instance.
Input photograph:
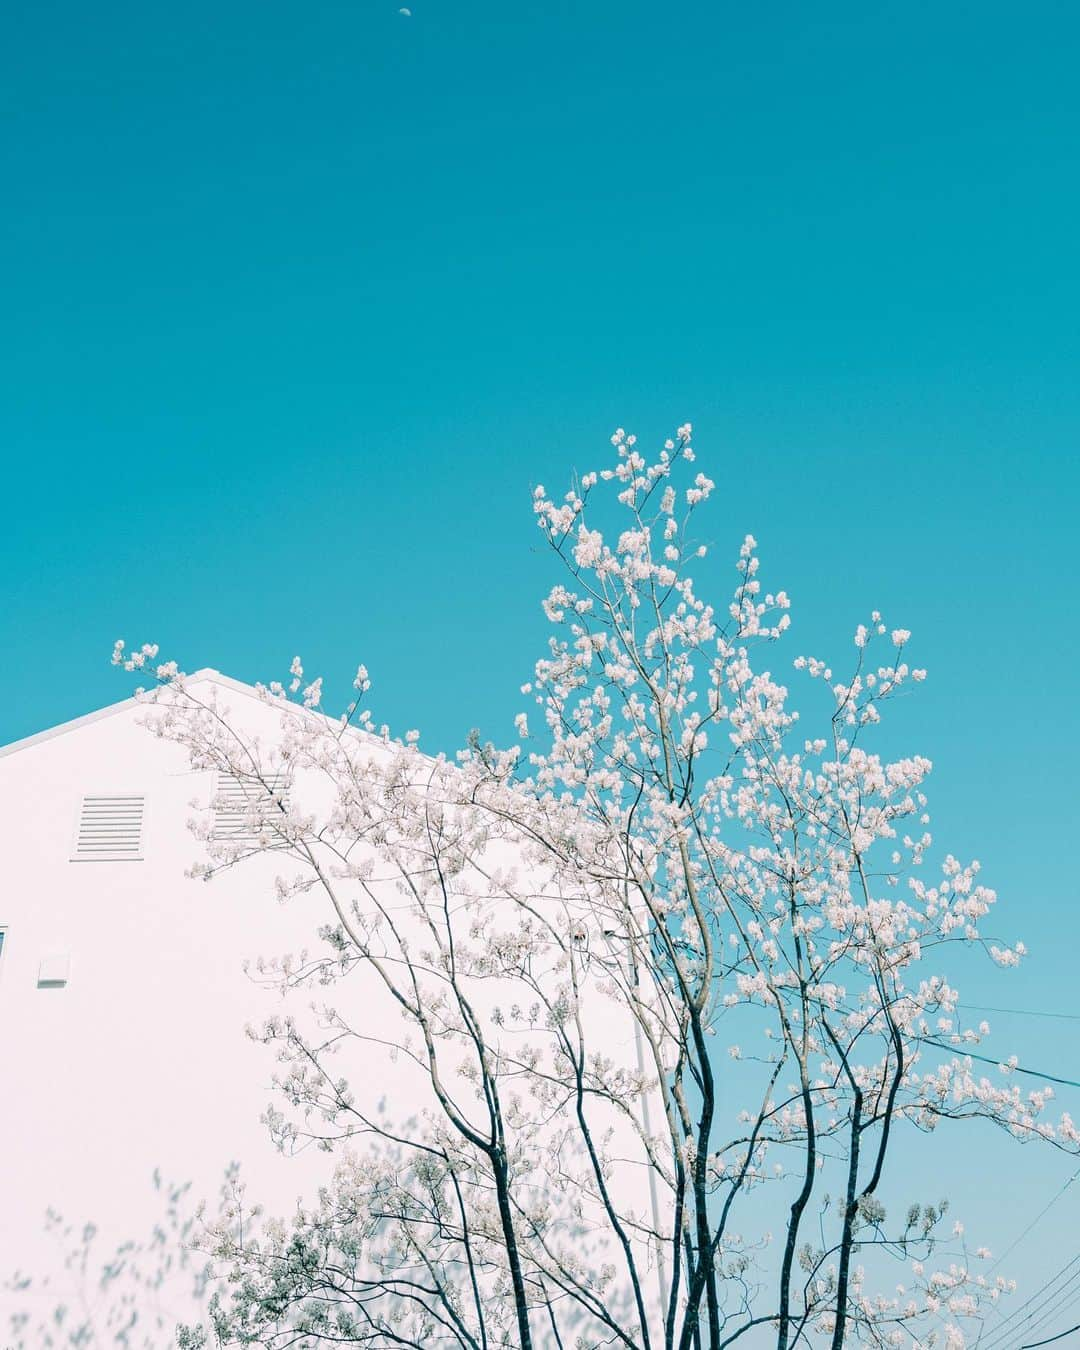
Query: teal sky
(298, 300)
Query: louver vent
(110, 829)
(243, 802)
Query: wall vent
(242, 801)
(54, 970)
(110, 829)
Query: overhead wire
(1002, 1330)
(1062, 1305)
(1009, 1327)
(1042, 1212)
(1020, 1012)
(1033, 1345)
(965, 1053)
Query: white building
(123, 1003)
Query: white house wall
(139, 1064)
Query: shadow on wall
(132, 1297)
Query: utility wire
(1054, 1303)
(1029, 1325)
(1013, 1068)
(1043, 1311)
(1031, 1345)
(1045, 1209)
(1041, 1299)
(1062, 1313)
(1062, 1306)
(1004, 1331)
(1019, 1012)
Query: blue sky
(298, 300)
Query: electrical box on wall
(53, 971)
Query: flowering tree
(550, 938)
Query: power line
(1004, 1331)
(1045, 1209)
(1019, 1012)
(1013, 1068)
(1062, 1306)
(1032, 1344)
(1010, 1335)
(1064, 1297)
(1041, 1298)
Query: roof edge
(61, 729)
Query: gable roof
(206, 675)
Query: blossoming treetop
(556, 934)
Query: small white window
(110, 828)
(245, 803)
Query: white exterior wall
(140, 1063)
